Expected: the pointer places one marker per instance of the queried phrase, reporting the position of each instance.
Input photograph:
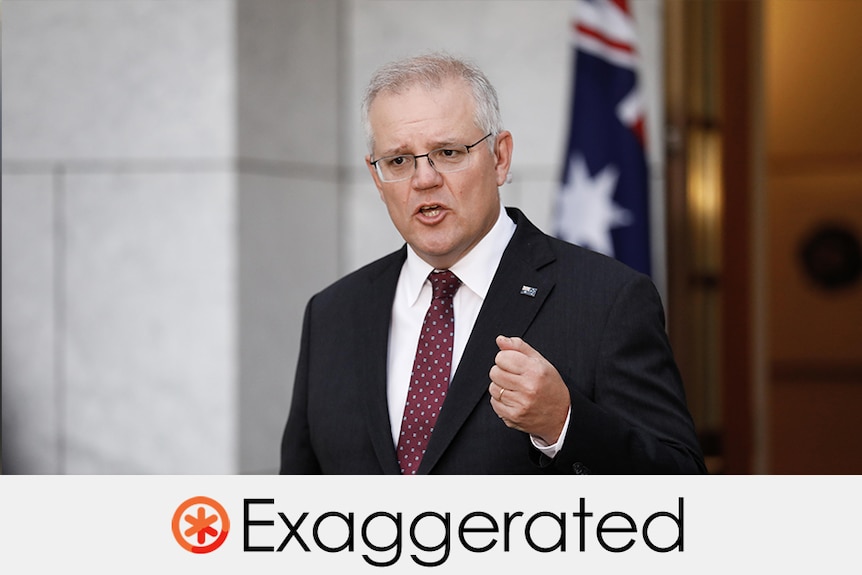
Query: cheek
(483, 195)
(396, 203)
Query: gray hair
(430, 71)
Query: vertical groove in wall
(341, 85)
(59, 305)
(237, 327)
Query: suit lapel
(376, 313)
(520, 287)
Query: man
(558, 361)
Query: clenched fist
(527, 392)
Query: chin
(439, 258)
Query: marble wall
(288, 188)
(179, 176)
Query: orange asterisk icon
(201, 525)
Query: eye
(449, 156)
(395, 161)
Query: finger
(511, 357)
(507, 378)
(516, 344)
(517, 358)
(497, 391)
(501, 409)
(509, 363)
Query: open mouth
(430, 211)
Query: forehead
(447, 110)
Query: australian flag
(603, 201)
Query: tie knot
(444, 283)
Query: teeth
(430, 210)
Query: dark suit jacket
(597, 321)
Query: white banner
(263, 524)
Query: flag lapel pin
(529, 290)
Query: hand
(527, 392)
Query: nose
(425, 175)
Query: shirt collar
(475, 270)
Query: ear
(374, 176)
(503, 153)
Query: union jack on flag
(603, 201)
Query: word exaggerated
(380, 536)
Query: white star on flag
(587, 211)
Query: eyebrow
(402, 150)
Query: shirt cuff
(552, 450)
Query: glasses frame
(428, 157)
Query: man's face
(442, 216)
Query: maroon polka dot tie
(432, 367)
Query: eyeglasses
(444, 160)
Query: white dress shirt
(412, 298)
